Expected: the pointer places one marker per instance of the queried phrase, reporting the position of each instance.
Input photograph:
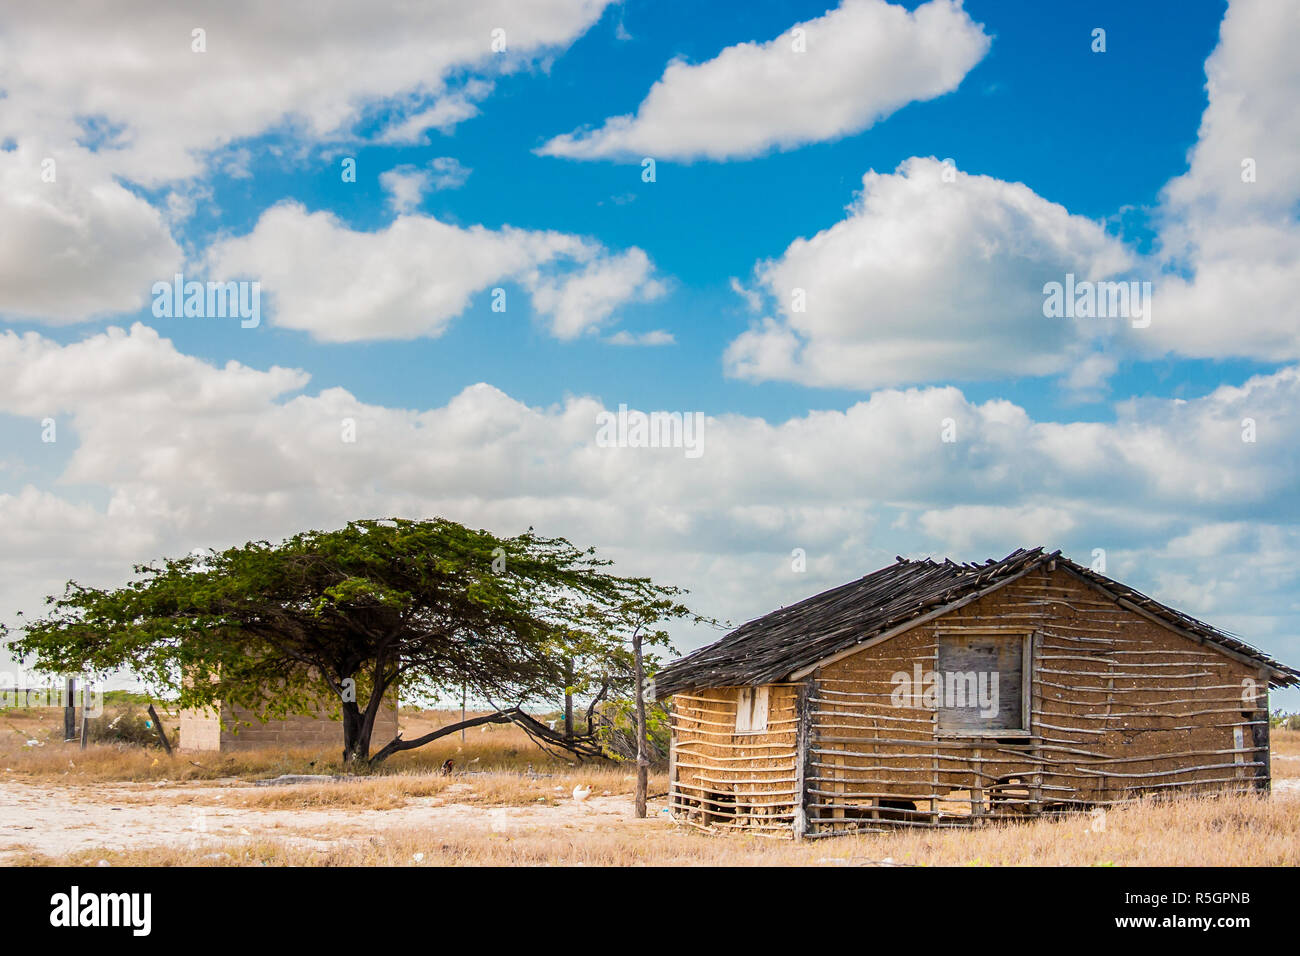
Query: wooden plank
(69, 709)
(1260, 732)
(803, 754)
(1036, 706)
(966, 664)
(158, 725)
(672, 762)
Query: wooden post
(802, 755)
(934, 750)
(672, 758)
(642, 758)
(568, 700)
(1239, 750)
(85, 699)
(69, 708)
(934, 780)
(1263, 745)
(1035, 707)
(977, 787)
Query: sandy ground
(59, 820)
(56, 820)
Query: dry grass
(489, 788)
(493, 747)
(1285, 744)
(1218, 831)
(493, 771)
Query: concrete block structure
(236, 729)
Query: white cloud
(446, 113)
(79, 246)
(316, 64)
(863, 61)
(929, 277)
(967, 527)
(1087, 380)
(186, 454)
(753, 298)
(413, 277)
(653, 337)
(1232, 247)
(448, 172)
(407, 184)
(921, 285)
(581, 302)
(117, 105)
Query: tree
(337, 618)
(635, 622)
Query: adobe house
(943, 694)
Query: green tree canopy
(337, 618)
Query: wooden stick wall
(1119, 705)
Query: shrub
(617, 731)
(123, 724)
(1281, 720)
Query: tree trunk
(356, 741)
(642, 759)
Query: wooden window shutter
(751, 710)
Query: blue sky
(1100, 134)
(1116, 164)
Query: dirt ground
(509, 804)
(56, 821)
(58, 800)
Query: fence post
(69, 708)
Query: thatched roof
(778, 645)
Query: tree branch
(397, 744)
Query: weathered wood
(158, 725)
(69, 709)
(85, 713)
(672, 760)
(803, 754)
(1116, 705)
(1261, 730)
(976, 654)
